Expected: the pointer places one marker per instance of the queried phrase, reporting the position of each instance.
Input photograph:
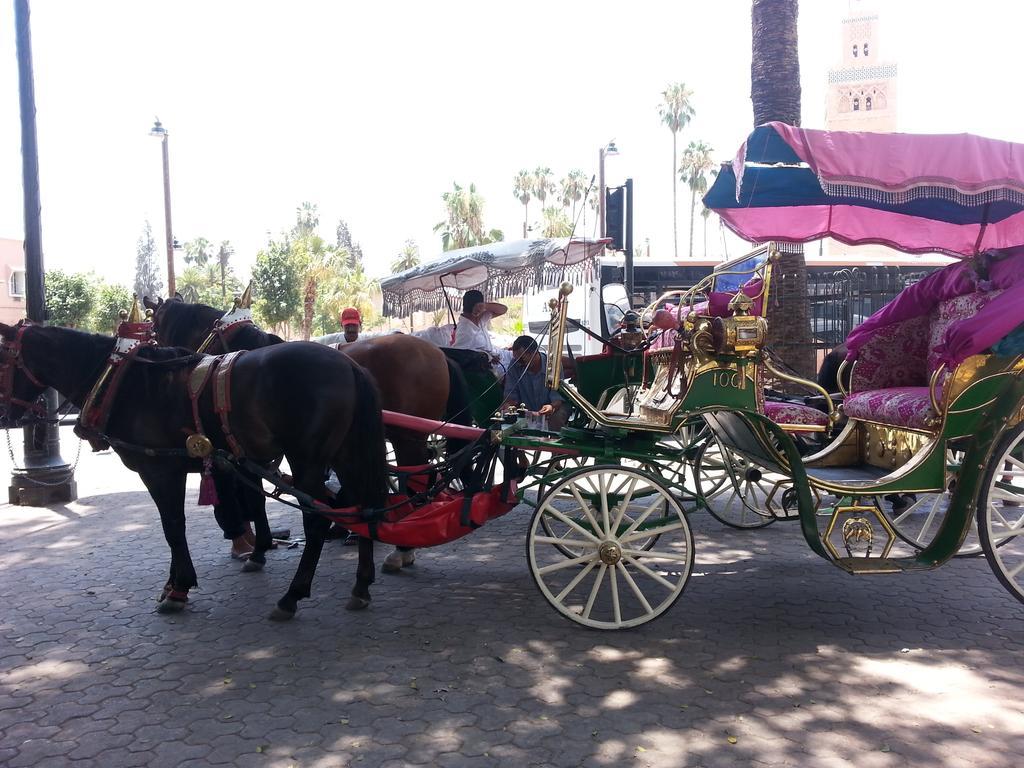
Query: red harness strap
(215, 370)
(12, 361)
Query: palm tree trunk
(693, 208)
(705, 236)
(526, 217)
(309, 301)
(675, 207)
(223, 283)
(775, 95)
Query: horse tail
(362, 465)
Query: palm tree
(543, 184)
(676, 111)
(556, 223)
(224, 254)
(197, 251)
(408, 258)
(775, 95)
(573, 187)
(523, 190)
(694, 166)
(463, 225)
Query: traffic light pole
(46, 478)
(629, 241)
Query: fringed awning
(497, 270)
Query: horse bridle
(11, 360)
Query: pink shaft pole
(428, 426)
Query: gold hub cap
(610, 553)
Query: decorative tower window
(867, 103)
(865, 50)
(856, 104)
(855, 50)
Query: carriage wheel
(916, 518)
(1001, 512)
(735, 490)
(602, 515)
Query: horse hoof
(280, 614)
(357, 603)
(251, 566)
(169, 605)
(390, 567)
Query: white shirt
(470, 335)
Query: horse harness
(12, 361)
(226, 327)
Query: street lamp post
(605, 151)
(160, 132)
(45, 478)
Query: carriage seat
(795, 415)
(890, 382)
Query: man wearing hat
(351, 323)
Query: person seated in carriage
(525, 385)
(473, 329)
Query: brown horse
(331, 420)
(413, 376)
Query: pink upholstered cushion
(794, 413)
(950, 312)
(898, 406)
(895, 356)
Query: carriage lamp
(743, 333)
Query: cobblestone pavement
(770, 658)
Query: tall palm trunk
(526, 217)
(693, 209)
(775, 95)
(675, 206)
(308, 303)
(223, 282)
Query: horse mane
(179, 321)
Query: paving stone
(459, 661)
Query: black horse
(330, 420)
(413, 376)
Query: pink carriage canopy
(955, 193)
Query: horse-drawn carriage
(673, 415)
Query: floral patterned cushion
(895, 356)
(794, 413)
(949, 313)
(898, 406)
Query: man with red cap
(351, 323)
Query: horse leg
(167, 487)
(315, 528)
(256, 503)
(365, 575)
(228, 513)
(410, 450)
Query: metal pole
(46, 478)
(600, 193)
(167, 217)
(629, 240)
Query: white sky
(373, 109)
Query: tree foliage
(676, 110)
(110, 299)
(147, 270)
(408, 258)
(69, 298)
(276, 285)
(463, 226)
(694, 166)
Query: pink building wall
(12, 280)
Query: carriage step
(865, 565)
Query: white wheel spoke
(576, 580)
(616, 609)
(632, 585)
(549, 510)
(562, 542)
(658, 500)
(656, 576)
(624, 504)
(570, 563)
(604, 504)
(657, 555)
(649, 532)
(593, 591)
(586, 510)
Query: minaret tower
(862, 89)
